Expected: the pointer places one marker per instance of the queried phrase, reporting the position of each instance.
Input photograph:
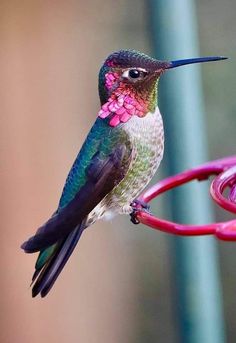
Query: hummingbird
(119, 157)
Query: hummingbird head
(128, 83)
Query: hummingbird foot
(127, 209)
(138, 205)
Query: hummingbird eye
(134, 74)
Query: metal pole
(196, 279)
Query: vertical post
(198, 296)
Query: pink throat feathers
(122, 104)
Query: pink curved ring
(226, 169)
(219, 184)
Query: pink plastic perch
(225, 171)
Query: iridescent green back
(101, 138)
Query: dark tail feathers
(46, 278)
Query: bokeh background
(118, 285)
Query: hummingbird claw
(138, 205)
(133, 218)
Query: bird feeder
(224, 172)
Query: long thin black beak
(179, 63)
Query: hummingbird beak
(179, 63)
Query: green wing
(101, 171)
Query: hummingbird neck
(152, 97)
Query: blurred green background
(118, 285)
